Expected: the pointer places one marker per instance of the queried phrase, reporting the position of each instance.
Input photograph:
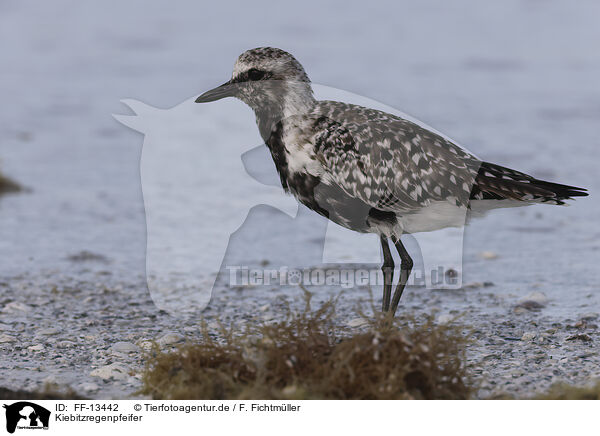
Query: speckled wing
(388, 162)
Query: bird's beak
(227, 89)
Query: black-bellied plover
(367, 170)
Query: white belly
(442, 214)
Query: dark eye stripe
(254, 74)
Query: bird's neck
(296, 99)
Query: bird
(368, 170)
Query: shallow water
(516, 83)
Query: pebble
(488, 255)
(114, 371)
(66, 344)
(445, 319)
(48, 332)
(357, 322)
(477, 285)
(528, 336)
(289, 390)
(581, 325)
(535, 297)
(146, 344)
(532, 301)
(6, 339)
(52, 380)
(580, 337)
(89, 387)
(170, 339)
(125, 347)
(16, 306)
(592, 316)
(38, 347)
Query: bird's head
(266, 78)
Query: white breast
(299, 152)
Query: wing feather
(389, 162)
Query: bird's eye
(254, 74)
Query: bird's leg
(406, 268)
(388, 274)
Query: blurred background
(516, 82)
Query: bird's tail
(494, 182)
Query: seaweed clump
(48, 393)
(7, 185)
(304, 356)
(562, 391)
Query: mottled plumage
(368, 170)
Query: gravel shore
(90, 334)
